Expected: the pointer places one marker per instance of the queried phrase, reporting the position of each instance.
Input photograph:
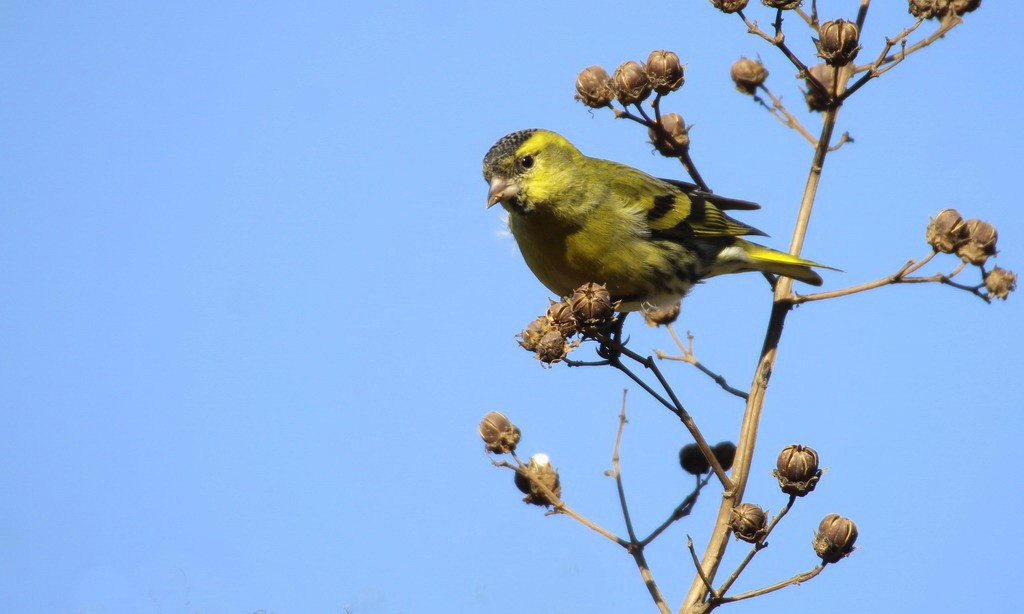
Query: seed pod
(783, 4)
(979, 242)
(660, 316)
(499, 434)
(837, 42)
(725, 452)
(946, 231)
(692, 460)
(964, 6)
(533, 333)
(748, 75)
(592, 305)
(560, 318)
(539, 468)
(594, 87)
(797, 470)
(835, 538)
(552, 348)
(729, 6)
(631, 83)
(748, 522)
(1000, 283)
(664, 71)
(677, 136)
(928, 9)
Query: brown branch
(715, 551)
(682, 510)
(779, 41)
(688, 357)
(779, 112)
(700, 570)
(797, 579)
(902, 276)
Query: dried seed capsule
(748, 75)
(964, 6)
(928, 9)
(729, 6)
(837, 42)
(592, 305)
(725, 452)
(979, 242)
(552, 347)
(540, 470)
(835, 538)
(692, 460)
(677, 136)
(748, 522)
(631, 83)
(660, 316)
(533, 333)
(1000, 283)
(499, 434)
(594, 87)
(797, 470)
(664, 71)
(783, 4)
(946, 231)
(560, 318)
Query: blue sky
(253, 309)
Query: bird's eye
(526, 162)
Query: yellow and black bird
(579, 219)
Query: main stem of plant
(695, 602)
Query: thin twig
(862, 14)
(797, 579)
(700, 570)
(688, 357)
(782, 114)
(902, 276)
(779, 41)
(682, 510)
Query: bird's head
(526, 169)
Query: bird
(579, 219)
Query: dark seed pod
(664, 71)
(835, 538)
(540, 470)
(499, 434)
(748, 75)
(676, 139)
(1000, 283)
(797, 470)
(692, 460)
(631, 83)
(594, 87)
(592, 305)
(748, 522)
(946, 231)
(979, 242)
(729, 6)
(725, 452)
(837, 42)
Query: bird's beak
(501, 190)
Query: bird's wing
(669, 212)
(722, 202)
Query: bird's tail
(761, 258)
